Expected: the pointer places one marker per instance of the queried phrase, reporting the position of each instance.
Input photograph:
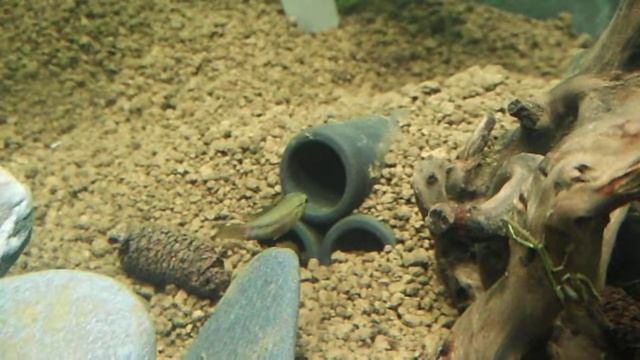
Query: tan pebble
(339, 257)
(381, 343)
(364, 282)
(385, 268)
(344, 287)
(423, 280)
(197, 315)
(342, 331)
(324, 297)
(395, 333)
(336, 353)
(444, 321)
(307, 292)
(411, 302)
(305, 275)
(429, 87)
(412, 290)
(344, 312)
(402, 213)
(414, 152)
(369, 257)
(387, 198)
(395, 301)
(207, 173)
(432, 343)
(379, 307)
(313, 264)
(180, 298)
(163, 326)
(412, 320)
(365, 333)
(165, 302)
(100, 247)
(321, 273)
(145, 290)
(396, 287)
(418, 257)
(409, 245)
(363, 306)
(252, 185)
(233, 262)
(426, 304)
(448, 310)
(272, 179)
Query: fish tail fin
(289, 245)
(232, 231)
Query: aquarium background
(588, 16)
(176, 113)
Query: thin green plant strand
(562, 289)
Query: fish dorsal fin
(245, 218)
(265, 209)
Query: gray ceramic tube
(356, 232)
(336, 165)
(305, 238)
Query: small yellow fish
(271, 224)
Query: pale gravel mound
(61, 59)
(188, 126)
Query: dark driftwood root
(523, 246)
(624, 270)
(162, 256)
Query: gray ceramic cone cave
(356, 232)
(335, 165)
(306, 238)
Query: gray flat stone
(257, 317)
(66, 314)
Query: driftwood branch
(565, 180)
(618, 49)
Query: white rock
(313, 15)
(16, 219)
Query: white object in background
(313, 15)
